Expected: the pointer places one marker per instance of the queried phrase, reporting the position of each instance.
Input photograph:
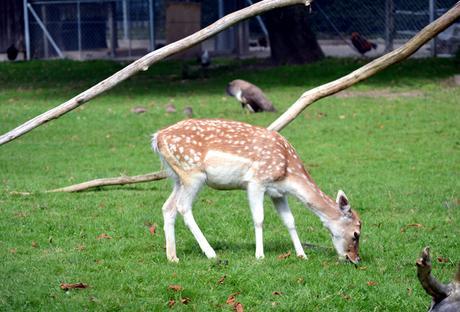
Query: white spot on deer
(181, 149)
(186, 157)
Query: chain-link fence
(85, 29)
(387, 23)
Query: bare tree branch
(369, 69)
(159, 175)
(145, 62)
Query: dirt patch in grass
(385, 93)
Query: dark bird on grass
(188, 112)
(445, 297)
(250, 96)
(12, 52)
(205, 59)
(361, 44)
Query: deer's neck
(316, 200)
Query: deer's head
(346, 230)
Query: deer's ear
(343, 202)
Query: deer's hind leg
(169, 219)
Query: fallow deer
(234, 155)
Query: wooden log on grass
(159, 175)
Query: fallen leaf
(34, 244)
(277, 293)
(409, 291)
(171, 303)
(104, 236)
(231, 299)
(221, 280)
(138, 110)
(413, 225)
(185, 300)
(238, 307)
(345, 296)
(443, 260)
(274, 304)
(371, 283)
(285, 255)
(175, 287)
(80, 247)
(362, 268)
(342, 117)
(67, 286)
(152, 229)
(13, 250)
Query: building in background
(128, 29)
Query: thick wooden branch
(159, 175)
(145, 62)
(369, 69)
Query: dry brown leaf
(152, 229)
(443, 260)
(175, 287)
(13, 250)
(409, 291)
(185, 300)
(277, 293)
(285, 255)
(104, 236)
(238, 307)
(80, 247)
(371, 283)
(171, 303)
(345, 296)
(34, 244)
(413, 225)
(231, 299)
(67, 286)
(221, 280)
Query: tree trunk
(291, 39)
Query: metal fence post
(432, 5)
(26, 29)
(151, 25)
(389, 24)
(79, 28)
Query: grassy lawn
(392, 143)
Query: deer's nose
(354, 261)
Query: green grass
(397, 158)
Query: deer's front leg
(256, 203)
(185, 201)
(169, 219)
(282, 206)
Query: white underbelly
(226, 171)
